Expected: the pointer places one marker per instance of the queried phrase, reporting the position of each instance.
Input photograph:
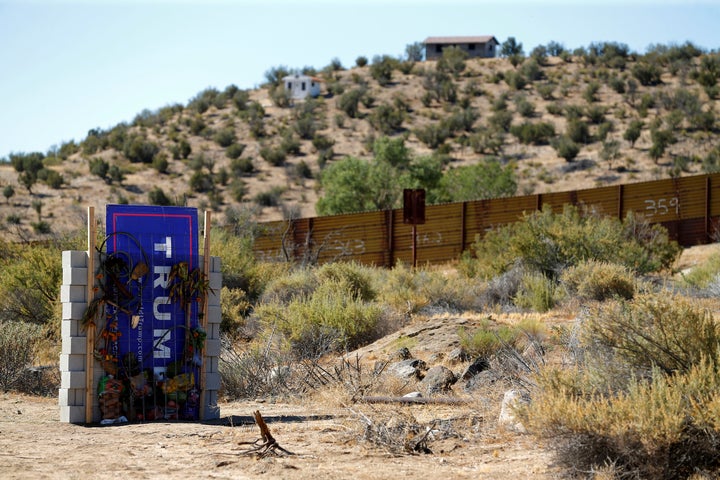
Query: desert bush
(551, 242)
(433, 134)
(298, 283)
(234, 308)
(157, 196)
(633, 131)
(269, 198)
(647, 73)
(665, 428)
(486, 340)
(593, 280)
(17, 351)
(381, 69)
(452, 61)
(140, 150)
(533, 133)
(331, 319)
(349, 102)
(566, 148)
(660, 331)
(536, 292)
(578, 131)
(356, 277)
(501, 120)
(361, 61)
(225, 137)
(275, 156)
(524, 106)
(702, 275)
(386, 119)
(201, 182)
(99, 167)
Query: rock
(483, 379)
(403, 354)
(457, 355)
(413, 395)
(438, 379)
(435, 358)
(511, 400)
(480, 364)
(408, 368)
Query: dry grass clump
(642, 397)
(593, 280)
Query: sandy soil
(326, 444)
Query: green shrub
(487, 340)
(381, 69)
(160, 163)
(536, 292)
(349, 102)
(702, 275)
(269, 198)
(386, 119)
(330, 320)
(356, 277)
(361, 61)
(225, 137)
(593, 280)
(138, 149)
(534, 133)
(157, 196)
(241, 166)
(275, 156)
(550, 242)
(566, 148)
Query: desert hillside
(597, 116)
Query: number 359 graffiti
(662, 206)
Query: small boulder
(457, 355)
(512, 400)
(406, 369)
(438, 379)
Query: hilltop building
(302, 86)
(483, 46)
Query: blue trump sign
(143, 244)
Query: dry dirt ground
(325, 444)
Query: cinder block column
(73, 295)
(212, 345)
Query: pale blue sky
(69, 66)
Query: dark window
(438, 48)
(471, 46)
(302, 86)
(289, 86)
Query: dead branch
(266, 444)
(420, 400)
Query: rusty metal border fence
(689, 207)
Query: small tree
(633, 132)
(511, 47)
(414, 52)
(37, 206)
(8, 192)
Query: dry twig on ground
(266, 444)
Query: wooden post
(204, 317)
(414, 245)
(90, 333)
